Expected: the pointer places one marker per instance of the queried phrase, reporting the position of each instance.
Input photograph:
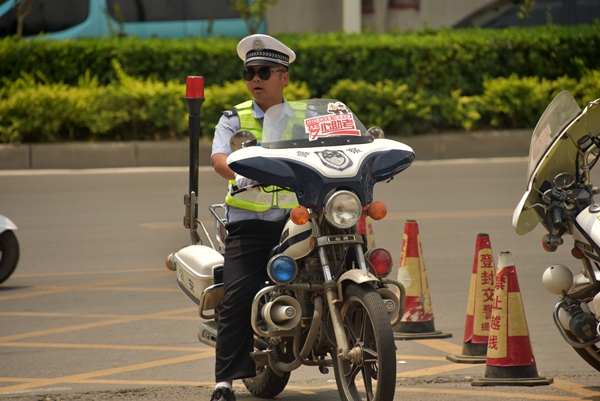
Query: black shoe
(222, 394)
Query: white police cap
(262, 49)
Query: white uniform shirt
(224, 130)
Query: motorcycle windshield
(312, 123)
(549, 156)
(556, 117)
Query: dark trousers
(244, 274)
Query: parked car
(505, 13)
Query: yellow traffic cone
(479, 306)
(510, 360)
(366, 228)
(417, 321)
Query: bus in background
(63, 19)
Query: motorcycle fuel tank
(586, 232)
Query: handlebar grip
(556, 216)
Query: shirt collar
(257, 111)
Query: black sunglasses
(264, 73)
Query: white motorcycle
(328, 301)
(9, 248)
(565, 146)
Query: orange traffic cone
(479, 306)
(510, 360)
(366, 228)
(417, 321)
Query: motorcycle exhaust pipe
(282, 313)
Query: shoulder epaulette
(230, 113)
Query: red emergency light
(194, 87)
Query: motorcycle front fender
(6, 224)
(356, 276)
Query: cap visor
(252, 63)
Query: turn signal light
(300, 215)
(170, 262)
(377, 210)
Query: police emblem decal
(257, 44)
(335, 159)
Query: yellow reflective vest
(259, 199)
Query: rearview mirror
(242, 139)
(376, 132)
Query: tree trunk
(23, 10)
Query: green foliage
(525, 10)
(386, 104)
(515, 102)
(439, 60)
(405, 82)
(34, 110)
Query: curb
(449, 145)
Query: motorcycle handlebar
(556, 215)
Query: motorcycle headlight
(282, 269)
(343, 209)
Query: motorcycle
(329, 301)
(9, 248)
(565, 146)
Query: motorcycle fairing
(553, 150)
(354, 167)
(587, 233)
(6, 224)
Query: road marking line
(94, 315)
(442, 345)
(43, 389)
(315, 389)
(162, 226)
(171, 225)
(450, 214)
(138, 289)
(86, 273)
(203, 169)
(83, 286)
(106, 346)
(435, 370)
(486, 394)
(104, 372)
(86, 326)
(574, 388)
(422, 358)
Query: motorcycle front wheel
(372, 375)
(589, 354)
(9, 254)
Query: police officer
(254, 222)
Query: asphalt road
(92, 313)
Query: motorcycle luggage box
(196, 265)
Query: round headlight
(343, 209)
(282, 269)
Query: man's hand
(243, 182)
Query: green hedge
(35, 110)
(436, 60)
(413, 82)
(32, 109)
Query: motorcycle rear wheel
(9, 254)
(266, 384)
(367, 326)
